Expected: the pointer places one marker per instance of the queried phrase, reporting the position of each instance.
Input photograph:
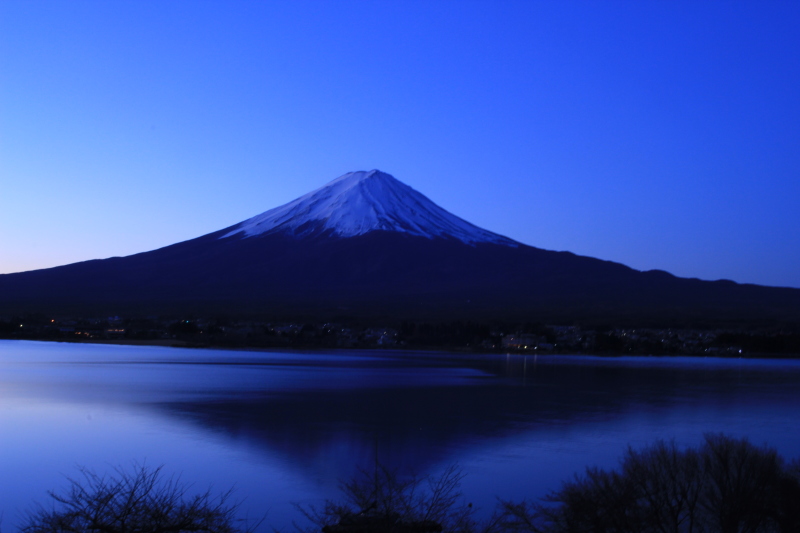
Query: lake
(284, 427)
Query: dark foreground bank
(725, 485)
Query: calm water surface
(284, 427)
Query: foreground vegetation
(726, 485)
(140, 500)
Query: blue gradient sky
(656, 134)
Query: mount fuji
(361, 202)
(367, 246)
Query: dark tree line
(783, 343)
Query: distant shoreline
(183, 344)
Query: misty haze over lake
(284, 427)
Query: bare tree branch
(140, 500)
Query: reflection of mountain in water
(285, 426)
(417, 427)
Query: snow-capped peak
(359, 202)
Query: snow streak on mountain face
(359, 202)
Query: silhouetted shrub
(727, 485)
(136, 501)
(382, 501)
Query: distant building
(525, 341)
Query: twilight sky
(656, 134)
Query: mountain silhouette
(367, 246)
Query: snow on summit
(359, 202)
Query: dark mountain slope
(384, 275)
(367, 246)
